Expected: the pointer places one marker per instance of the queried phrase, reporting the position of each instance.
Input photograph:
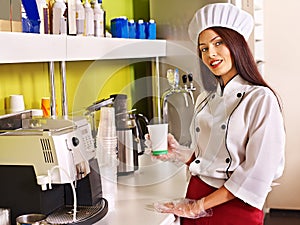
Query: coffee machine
(48, 166)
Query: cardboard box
(16, 26)
(5, 24)
(16, 15)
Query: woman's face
(216, 56)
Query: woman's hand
(172, 146)
(176, 152)
(188, 208)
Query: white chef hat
(221, 15)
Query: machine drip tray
(86, 215)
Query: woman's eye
(203, 49)
(218, 43)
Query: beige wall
(282, 55)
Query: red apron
(234, 212)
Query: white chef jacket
(238, 137)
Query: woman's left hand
(176, 153)
(188, 208)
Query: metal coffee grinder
(130, 136)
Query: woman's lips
(215, 63)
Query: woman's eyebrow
(214, 38)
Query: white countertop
(131, 197)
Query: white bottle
(72, 27)
(99, 19)
(59, 20)
(79, 17)
(89, 19)
(44, 15)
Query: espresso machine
(48, 166)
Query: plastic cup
(159, 138)
(107, 136)
(45, 105)
(107, 126)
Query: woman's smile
(215, 63)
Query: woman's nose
(212, 53)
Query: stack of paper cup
(15, 103)
(107, 135)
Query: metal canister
(121, 115)
(32, 219)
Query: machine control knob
(75, 141)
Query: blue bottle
(30, 23)
(131, 29)
(140, 30)
(151, 30)
(119, 27)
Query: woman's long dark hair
(243, 58)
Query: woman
(238, 135)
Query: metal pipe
(158, 89)
(52, 90)
(64, 101)
(164, 106)
(165, 97)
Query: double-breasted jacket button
(239, 95)
(223, 126)
(197, 129)
(227, 160)
(197, 161)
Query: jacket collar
(237, 83)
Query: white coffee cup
(159, 138)
(16, 103)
